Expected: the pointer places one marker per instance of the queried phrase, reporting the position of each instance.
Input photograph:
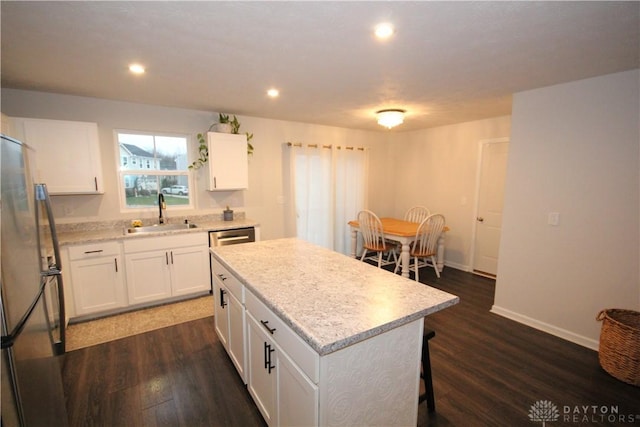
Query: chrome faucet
(161, 206)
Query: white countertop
(331, 300)
(100, 234)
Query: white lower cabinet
(297, 395)
(148, 276)
(283, 370)
(97, 274)
(229, 316)
(190, 269)
(168, 266)
(262, 370)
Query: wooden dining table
(402, 232)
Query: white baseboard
(457, 266)
(546, 327)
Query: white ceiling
(449, 62)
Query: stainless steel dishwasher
(233, 236)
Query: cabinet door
(98, 284)
(228, 161)
(297, 395)
(148, 276)
(190, 270)
(220, 311)
(237, 326)
(262, 375)
(67, 155)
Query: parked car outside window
(180, 190)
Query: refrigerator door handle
(8, 340)
(55, 269)
(52, 271)
(42, 194)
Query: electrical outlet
(553, 218)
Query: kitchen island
(332, 336)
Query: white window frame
(122, 198)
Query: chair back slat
(417, 214)
(371, 229)
(427, 236)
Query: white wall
(437, 168)
(109, 115)
(575, 149)
(264, 201)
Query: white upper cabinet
(228, 161)
(7, 127)
(67, 154)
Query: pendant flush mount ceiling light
(384, 31)
(390, 118)
(136, 68)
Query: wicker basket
(619, 352)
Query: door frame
(481, 144)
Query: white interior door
(493, 170)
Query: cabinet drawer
(230, 281)
(299, 351)
(94, 250)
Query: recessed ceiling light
(136, 69)
(384, 31)
(273, 93)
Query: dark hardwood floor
(176, 376)
(490, 371)
(487, 371)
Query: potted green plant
(203, 153)
(224, 125)
(203, 149)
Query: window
(152, 164)
(329, 187)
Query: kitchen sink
(158, 228)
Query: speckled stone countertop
(100, 231)
(329, 299)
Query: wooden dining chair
(417, 214)
(373, 238)
(425, 246)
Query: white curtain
(329, 189)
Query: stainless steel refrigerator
(32, 295)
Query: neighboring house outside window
(150, 164)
